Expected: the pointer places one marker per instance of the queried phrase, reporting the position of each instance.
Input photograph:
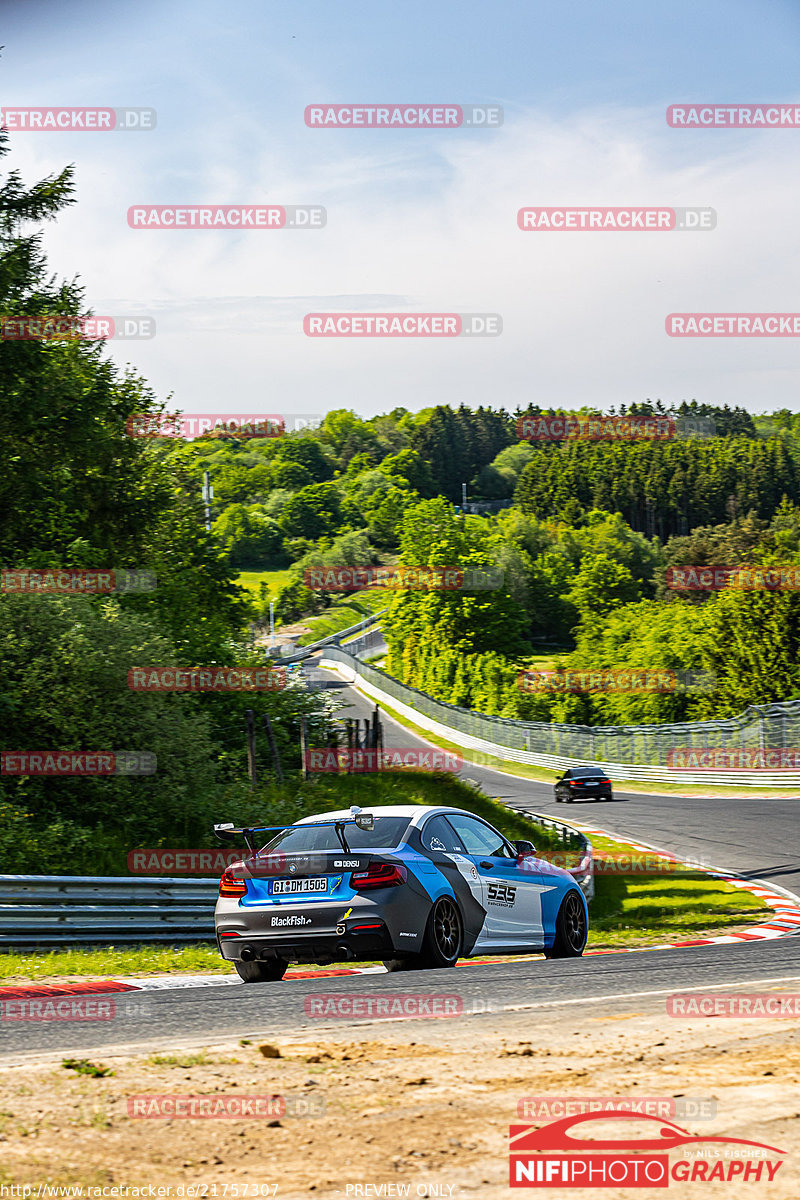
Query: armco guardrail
(635, 752)
(332, 639)
(369, 643)
(572, 839)
(59, 910)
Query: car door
(512, 897)
(449, 854)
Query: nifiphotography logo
(662, 1154)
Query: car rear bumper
(583, 793)
(310, 947)
(383, 924)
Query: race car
(580, 783)
(413, 886)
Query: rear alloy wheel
(266, 971)
(443, 939)
(571, 928)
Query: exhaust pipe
(343, 951)
(248, 954)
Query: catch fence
(647, 752)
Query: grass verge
(628, 912)
(252, 580)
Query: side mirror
(524, 848)
(365, 821)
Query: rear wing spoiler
(228, 832)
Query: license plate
(288, 887)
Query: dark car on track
(583, 783)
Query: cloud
(430, 225)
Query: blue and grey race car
(413, 886)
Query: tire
(444, 935)
(266, 971)
(571, 928)
(568, 798)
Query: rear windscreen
(386, 833)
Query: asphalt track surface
(758, 838)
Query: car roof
(416, 813)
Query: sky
(421, 220)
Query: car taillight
(378, 875)
(232, 885)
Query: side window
(438, 834)
(479, 838)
